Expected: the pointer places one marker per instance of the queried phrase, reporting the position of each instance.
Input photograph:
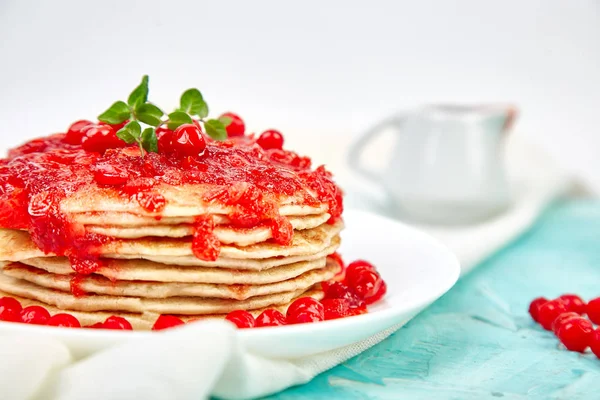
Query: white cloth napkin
(206, 358)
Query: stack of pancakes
(148, 267)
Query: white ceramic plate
(416, 268)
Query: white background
(319, 71)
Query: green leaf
(178, 118)
(130, 133)
(192, 103)
(117, 113)
(149, 114)
(215, 129)
(149, 140)
(139, 95)
(225, 120)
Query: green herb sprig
(145, 117)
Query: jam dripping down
(38, 175)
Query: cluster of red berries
(361, 285)
(564, 317)
(12, 311)
(97, 137)
(187, 140)
(358, 285)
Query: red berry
(164, 137)
(116, 127)
(595, 342)
(270, 139)
(100, 138)
(64, 320)
(270, 317)
(97, 325)
(242, 319)
(305, 309)
(562, 318)
(107, 174)
(379, 294)
(364, 283)
(119, 323)
(187, 140)
(236, 127)
(36, 315)
(76, 131)
(534, 307)
(10, 309)
(166, 321)
(359, 265)
(575, 334)
(573, 303)
(337, 290)
(549, 311)
(593, 310)
(336, 308)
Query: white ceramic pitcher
(447, 165)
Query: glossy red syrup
(38, 175)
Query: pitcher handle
(358, 147)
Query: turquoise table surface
(478, 341)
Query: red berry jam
(338, 290)
(39, 175)
(166, 322)
(304, 310)
(110, 175)
(534, 307)
(118, 323)
(241, 318)
(340, 308)
(270, 139)
(549, 311)
(10, 309)
(575, 334)
(270, 317)
(236, 127)
(595, 342)
(35, 315)
(593, 310)
(188, 140)
(64, 320)
(573, 303)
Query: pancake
(144, 321)
(141, 270)
(19, 246)
(94, 284)
(124, 219)
(183, 201)
(171, 305)
(258, 264)
(225, 234)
